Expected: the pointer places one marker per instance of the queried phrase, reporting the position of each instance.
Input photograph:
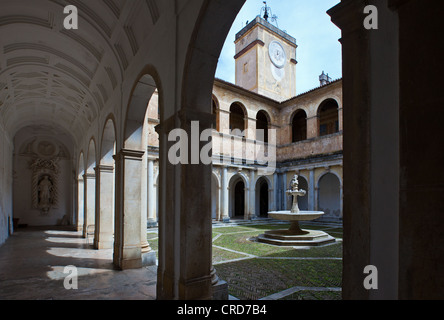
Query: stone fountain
(295, 236)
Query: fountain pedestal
(295, 236)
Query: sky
(307, 21)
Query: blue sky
(307, 21)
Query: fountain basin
(295, 236)
(301, 216)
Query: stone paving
(33, 261)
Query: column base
(220, 291)
(149, 259)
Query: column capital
(104, 168)
(129, 154)
(89, 175)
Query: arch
(329, 195)
(216, 112)
(148, 82)
(262, 125)
(238, 116)
(328, 117)
(262, 195)
(299, 126)
(91, 156)
(108, 144)
(238, 195)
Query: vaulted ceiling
(64, 78)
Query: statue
(295, 192)
(45, 189)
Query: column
(127, 235)
(311, 191)
(252, 206)
(284, 191)
(152, 201)
(80, 204)
(89, 203)
(225, 195)
(104, 232)
(185, 233)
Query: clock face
(277, 54)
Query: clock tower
(266, 60)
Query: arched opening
(328, 115)
(299, 126)
(215, 111)
(80, 193)
(237, 119)
(262, 125)
(134, 193)
(90, 191)
(329, 196)
(239, 200)
(262, 198)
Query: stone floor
(33, 261)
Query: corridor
(33, 261)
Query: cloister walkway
(33, 261)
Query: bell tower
(266, 58)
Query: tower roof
(269, 26)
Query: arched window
(299, 126)
(215, 111)
(328, 117)
(262, 124)
(237, 119)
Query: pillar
(89, 202)
(152, 201)
(104, 232)
(128, 222)
(252, 196)
(225, 195)
(311, 191)
(185, 224)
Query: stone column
(89, 202)
(284, 191)
(151, 206)
(104, 231)
(311, 191)
(252, 206)
(371, 123)
(127, 234)
(80, 204)
(225, 195)
(185, 233)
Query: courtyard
(258, 271)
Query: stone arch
(328, 117)
(216, 112)
(238, 118)
(147, 83)
(263, 122)
(238, 195)
(263, 192)
(108, 141)
(298, 126)
(329, 188)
